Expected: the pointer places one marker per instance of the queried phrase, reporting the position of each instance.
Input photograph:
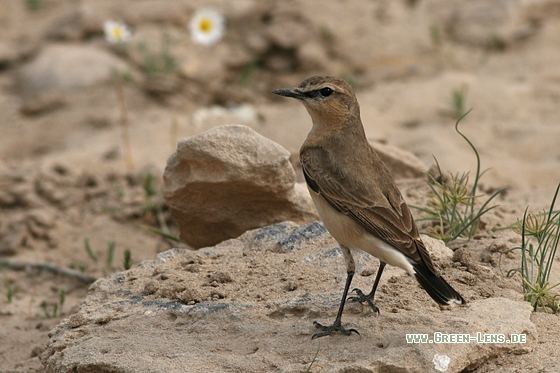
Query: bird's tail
(436, 286)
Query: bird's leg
(337, 325)
(361, 297)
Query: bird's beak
(290, 92)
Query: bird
(356, 196)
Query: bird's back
(354, 180)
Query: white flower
(207, 26)
(441, 362)
(116, 32)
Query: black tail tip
(437, 287)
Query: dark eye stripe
(317, 93)
(312, 94)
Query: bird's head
(330, 101)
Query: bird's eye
(325, 92)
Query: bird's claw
(362, 298)
(327, 330)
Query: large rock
(247, 305)
(230, 179)
(63, 67)
(493, 24)
(402, 163)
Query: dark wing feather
(374, 203)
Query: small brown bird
(356, 196)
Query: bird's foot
(327, 330)
(362, 298)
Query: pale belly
(350, 234)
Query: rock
(402, 164)
(43, 103)
(284, 236)
(11, 240)
(43, 218)
(62, 67)
(17, 45)
(7, 199)
(68, 27)
(239, 306)
(8, 54)
(313, 56)
(161, 84)
(283, 21)
(205, 64)
(230, 179)
(492, 24)
(439, 253)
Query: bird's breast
(343, 228)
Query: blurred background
(72, 73)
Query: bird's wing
(374, 203)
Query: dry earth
(64, 178)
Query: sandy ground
(63, 171)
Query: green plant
(540, 235)
(148, 184)
(57, 307)
(109, 259)
(61, 298)
(327, 34)
(10, 292)
(151, 191)
(151, 208)
(314, 358)
(119, 190)
(457, 109)
(161, 62)
(435, 35)
(127, 262)
(89, 251)
(248, 72)
(452, 207)
(127, 76)
(34, 4)
(82, 266)
(496, 43)
(169, 236)
(125, 135)
(110, 255)
(350, 79)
